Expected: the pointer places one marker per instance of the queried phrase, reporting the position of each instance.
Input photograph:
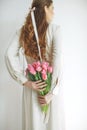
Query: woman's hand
(43, 100)
(36, 85)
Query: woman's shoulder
(53, 27)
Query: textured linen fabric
(16, 61)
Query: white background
(72, 16)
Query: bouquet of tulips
(40, 71)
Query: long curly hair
(27, 35)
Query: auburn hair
(27, 36)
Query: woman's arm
(16, 64)
(12, 59)
(56, 60)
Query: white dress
(32, 116)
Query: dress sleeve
(56, 58)
(12, 60)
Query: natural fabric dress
(16, 61)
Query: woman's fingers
(41, 97)
(42, 104)
(42, 86)
(38, 81)
(42, 101)
(39, 85)
(42, 83)
(41, 89)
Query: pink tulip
(34, 65)
(49, 69)
(33, 72)
(44, 76)
(43, 71)
(45, 65)
(31, 69)
(37, 65)
(38, 69)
